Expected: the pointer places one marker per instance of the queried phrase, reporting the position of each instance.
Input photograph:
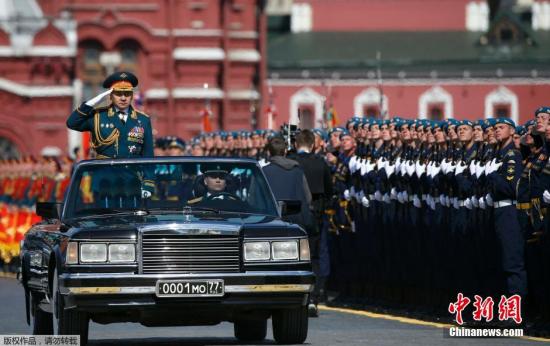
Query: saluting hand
(99, 98)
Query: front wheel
(67, 322)
(290, 325)
(41, 321)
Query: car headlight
(93, 252)
(285, 250)
(257, 251)
(122, 253)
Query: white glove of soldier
(460, 167)
(482, 203)
(393, 193)
(403, 168)
(351, 164)
(436, 169)
(496, 166)
(365, 202)
(359, 195)
(546, 196)
(444, 166)
(400, 197)
(352, 191)
(390, 169)
(480, 169)
(370, 166)
(386, 198)
(468, 204)
(410, 168)
(442, 199)
(451, 168)
(475, 201)
(347, 195)
(454, 202)
(489, 200)
(380, 163)
(420, 169)
(145, 194)
(489, 166)
(98, 99)
(417, 202)
(398, 163)
(447, 201)
(363, 167)
(378, 196)
(473, 166)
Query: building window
(436, 111)
(502, 110)
(307, 116)
(129, 55)
(8, 150)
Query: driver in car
(215, 186)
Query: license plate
(190, 288)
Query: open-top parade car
(207, 246)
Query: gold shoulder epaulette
(139, 112)
(194, 200)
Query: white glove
(468, 204)
(370, 166)
(546, 196)
(386, 198)
(352, 191)
(460, 167)
(445, 166)
(496, 166)
(417, 202)
(436, 170)
(451, 168)
(359, 195)
(389, 169)
(365, 202)
(353, 164)
(442, 199)
(393, 193)
(447, 201)
(410, 168)
(400, 198)
(405, 196)
(473, 166)
(145, 194)
(480, 169)
(475, 201)
(403, 168)
(347, 195)
(381, 163)
(378, 196)
(489, 200)
(364, 166)
(98, 99)
(455, 203)
(398, 163)
(420, 169)
(482, 203)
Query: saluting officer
(117, 130)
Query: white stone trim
(244, 34)
(502, 95)
(35, 91)
(301, 17)
(156, 93)
(50, 51)
(205, 54)
(244, 55)
(197, 32)
(306, 96)
(370, 96)
(197, 93)
(243, 94)
(541, 15)
(477, 16)
(435, 94)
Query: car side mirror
(290, 207)
(48, 210)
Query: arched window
(367, 103)
(8, 150)
(502, 102)
(307, 98)
(435, 102)
(307, 116)
(128, 50)
(91, 72)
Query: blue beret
(466, 122)
(490, 122)
(506, 121)
(344, 134)
(520, 130)
(543, 109)
(531, 122)
(337, 129)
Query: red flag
(206, 124)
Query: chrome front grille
(170, 253)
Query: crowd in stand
(420, 210)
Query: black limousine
(206, 244)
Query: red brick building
(413, 58)
(55, 54)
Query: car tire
(41, 321)
(290, 325)
(249, 330)
(67, 322)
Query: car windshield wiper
(95, 212)
(185, 210)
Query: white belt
(504, 203)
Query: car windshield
(211, 186)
